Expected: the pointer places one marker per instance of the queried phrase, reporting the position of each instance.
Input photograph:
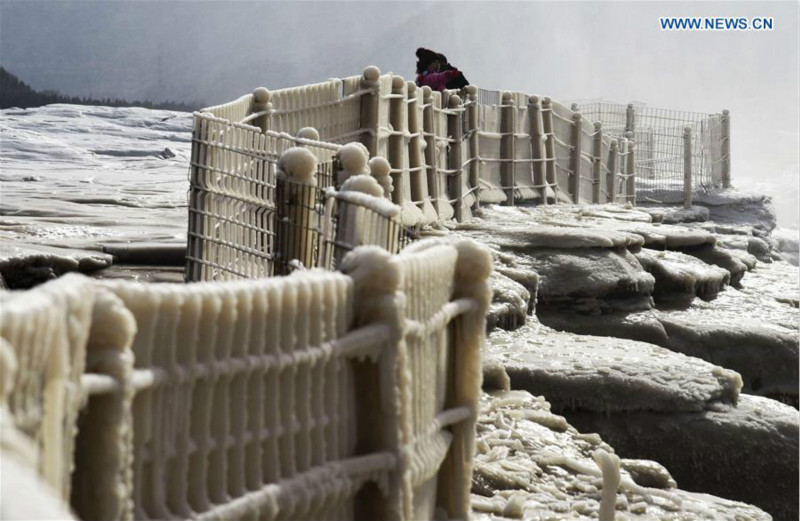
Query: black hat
(424, 58)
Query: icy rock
(754, 335)
(677, 215)
(591, 280)
(778, 280)
(531, 458)
(747, 452)
(730, 260)
(608, 374)
(735, 207)
(510, 303)
(682, 275)
(25, 265)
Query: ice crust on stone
(608, 374)
(748, 451)
(531, 464)
(676, 273)
(510, 303)
(24, 266)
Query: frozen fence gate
(320, 395)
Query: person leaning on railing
(434, 71)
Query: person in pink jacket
(429, 73)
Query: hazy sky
(215, 51)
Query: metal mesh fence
(660, 147)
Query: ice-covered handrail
(227, 399)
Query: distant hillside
(16, 93)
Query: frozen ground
(532, 464)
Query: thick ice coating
(299, 164)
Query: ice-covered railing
(446, 155)
(251, 217)
(678, 153)
(321, 395)
(43, 337)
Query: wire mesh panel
(525, 185)
(562, 130)
(234, 111)
(586, 160)
(231, 201)
(354, 219)
(256, 399)
(326, 106)
(489, 145)
(437, 185)
(659, 137)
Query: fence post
(687, 167)
(575, 157)
(597, 165)
(549, 144)
(455, 133)
(630, 188)
(261, 103)
(507, 112)
(416, 164)
(376, 281)
(611, 178)
(474, 153)
(370, 80)
(397, 139)
(537, 145)
(630, 119)
(431, 155)
(726, 149)
(295, 202)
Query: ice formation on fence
(444, 155)
(320, 395)
(47, 329)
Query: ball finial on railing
(506, 97)
(364, 184)
(398, 82)
(598, 125)
(427, 94)
(261, 95)
(299, 164)
(472, 92)
(687, 130)
(352, 159)
(412, 88)
(454, 101)
(576, 116)
(309, 133)
(381, 170)
(726, 112)
(372, 73)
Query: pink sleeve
(438, 80)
